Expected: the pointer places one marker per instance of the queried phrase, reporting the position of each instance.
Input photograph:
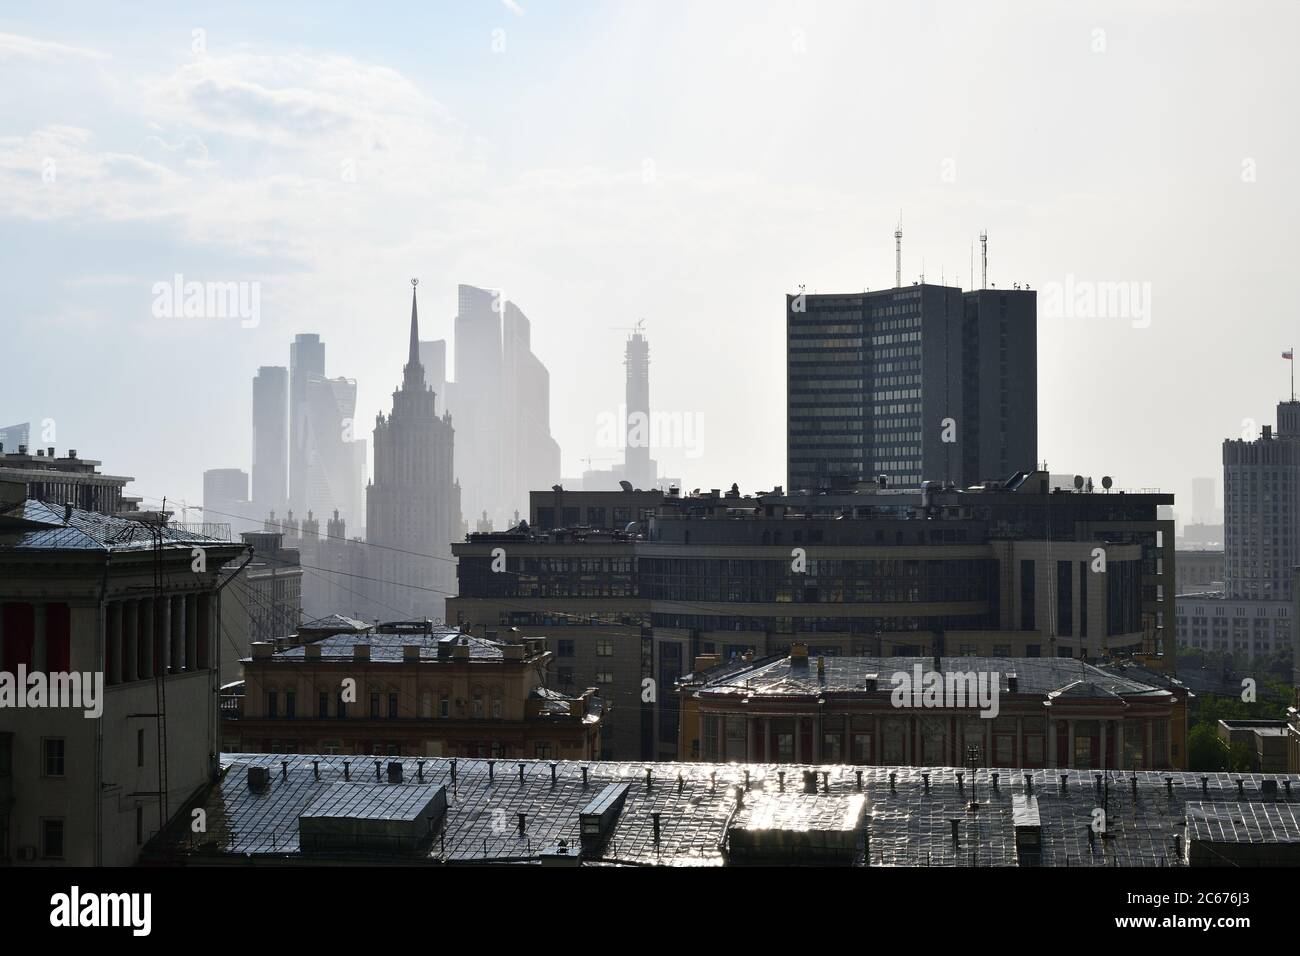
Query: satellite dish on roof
(1078, 482)
(1106, 482)
(625, 485)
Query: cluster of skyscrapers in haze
(451, 456)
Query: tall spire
(414, 371)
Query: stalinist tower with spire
(413, 501)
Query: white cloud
(13, 46)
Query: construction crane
(638, 328)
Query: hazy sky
(686, 163)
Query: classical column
(176, 609)
(1119, 744)
(38, 636)
(147, 613)
(131, 641)
(163, 636)
(1069, 755)
(1052, 758)
(191, 632)
(113, 649)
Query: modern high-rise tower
(500, 402)
(638, 467)
(918, 383)
(306, 362)
(326, 462)
(413, 503)
(1261, 509)
(270, 440)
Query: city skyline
(725, 437)
(1065, 184)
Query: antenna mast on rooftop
(898, 252)
(984, 259)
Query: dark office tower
(306, 363)
(638, 467)
(922, 383)
(413, 503)
(270, 440)
(998, 428)
(1261, 510)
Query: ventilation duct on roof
(598, 818)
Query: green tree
(1206, 750)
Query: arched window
(496, 703)
(426, 703)
(476, 706)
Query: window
(54, 749)
(139, 748)
(392, 706)
(323, 705)
(374, 703)
(604, 677)
(564, 675)
(272, 704)
(1027, 595)
(291, 703)
(542, 749)
(341, 706)
(605, 648)
(477, 705)
(52, 839)
(1064, 598)
(564, 648)
(444, 706)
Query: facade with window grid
(413, 693)
(913, 384)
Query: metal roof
(33, 525)
(390, 647)
(1072, 678)
(908, 810)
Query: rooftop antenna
(898, 252)
(984, 259)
